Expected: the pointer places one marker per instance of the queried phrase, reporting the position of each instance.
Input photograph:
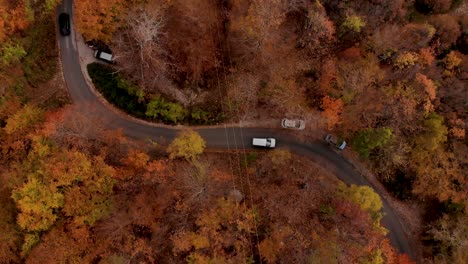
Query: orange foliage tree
(331, 110)
(64, 243)
(60, 183)
(134, 163)
(429, 91)
(271, 246)
(225, 226)
(426, 56)
(98, 20)
(193, 38)
(14, 18)
(447, 30)
(255, 26)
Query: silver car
(335, 141)
(293, 123)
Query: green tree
(160, 108)
(37, 202)
(23, 119)
(61, 183)
(438, 174)
(375, 257)
(188, 144)
(434, 134)
(66, 180)
(405, 60)
(451, 64)
(198, 116)
(131, 88)
(365, 197)
(352, 23)
(153, 108)
(12, 53)
(49, 5)
(173, 112)
(30, 240)
(88, 196)
(371, 138)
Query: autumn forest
(388, 76)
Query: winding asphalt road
(219, 138)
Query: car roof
(105, 55)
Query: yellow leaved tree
(188, 144)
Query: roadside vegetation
(72, 191)
(28, 49)
(389, 76)
(81, 193)
(129, 97)
(28, 66)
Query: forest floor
(410, 213)
(313, 123)
(51, 94)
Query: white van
(104, 56)
(264, 142)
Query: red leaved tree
(331, 110)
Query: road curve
(219, 138)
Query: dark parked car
(335, 141)
(64, 24)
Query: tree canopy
(62, 183)
(369, 139)
(365, 197)
(188, 144)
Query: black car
(64, 24)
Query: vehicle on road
(64, 24)
(293, 123)
(264, 142)
(335, 141)
(218, 138)
(104, 56)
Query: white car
(264, 142)
(293, 123)
(104, 56)
(335, 141)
